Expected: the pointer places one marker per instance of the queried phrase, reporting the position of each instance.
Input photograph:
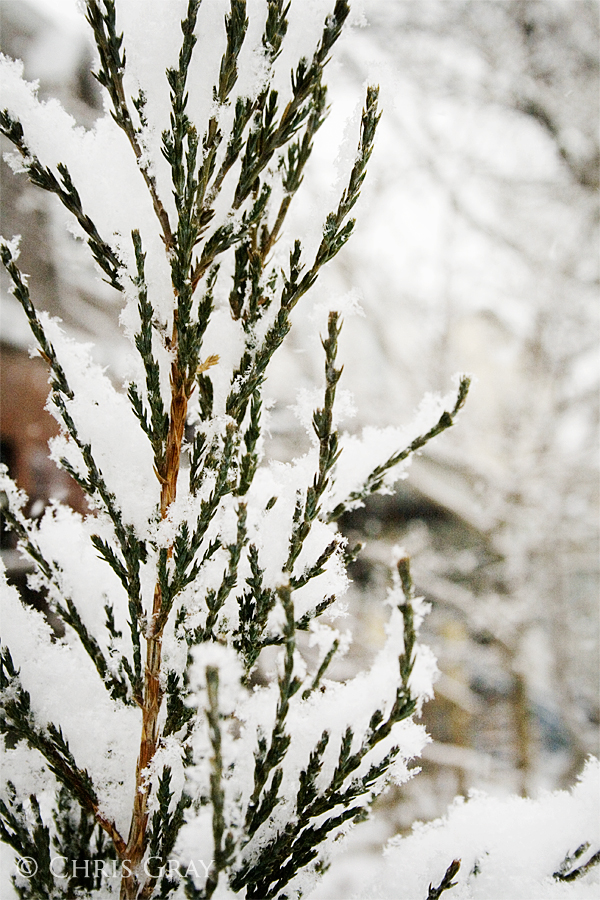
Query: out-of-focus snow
(68, 14)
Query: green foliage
(25, 831)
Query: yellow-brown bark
(152, 699)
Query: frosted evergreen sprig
(78, 837)
(250, 459)
(270, 754)
(174, 141)
(292, 166)
(47, 351)
(186, 544)
(18, 722)
(275, 27)
(17, 522)
(102, 20)
(568, 871)
(133, 673)
(236, 24)
(134, 608)
(216, 601)
(298, 844)
(235, 600)
(164, 829)
(116, 685)
(303, 623)
(268, 136)
(254, 606)
(286, 856)
(63, 607)
(178, 714)
(250, 297)
(197, 455)
(328, 452)
(237, 294)
(180, 148)
(245, 108)
(375, 481)
(133, 550)
(29, 836)
(228, 234)
(260, 147)
(43, 177)
(158, 427)
(313, 571)
(251, 371)
(223, 842)
(94, 485)
(308, 790)
(322, 669)
(112, 60)
(408, 590)
(294, 847)
(337, 230)
(264, 137)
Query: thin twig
(446, 883)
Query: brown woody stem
(153, 694)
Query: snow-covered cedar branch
(142, 736)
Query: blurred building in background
(59, 278)
(476, 249)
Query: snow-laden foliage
(167, 731)
(489, 848)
